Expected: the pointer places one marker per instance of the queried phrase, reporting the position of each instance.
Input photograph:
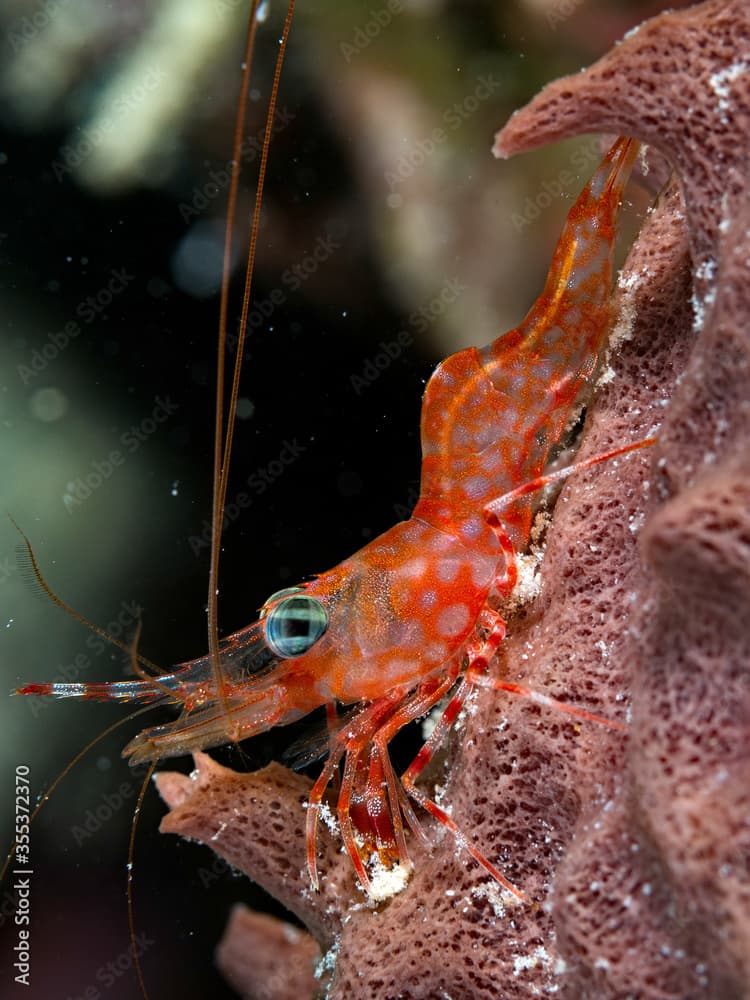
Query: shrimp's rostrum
(416, 613)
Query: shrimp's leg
(332, 717)
(480, 662)
(420, 762)
(332, 725)
(350, 741)
(424, 699)
(313, 811)
(476, 672)
(540, 482)
(482, 680)
(422, 702)
(352, 768)
(480, 659)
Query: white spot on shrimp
(447, 571)
(476, 487)
(414, 635)
(480, 574)
(491, 460)
(453, 620)
(436, 652)
(428, 599)
(415, 568)
(471, 528)
(400, 668)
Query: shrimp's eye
(294, 625)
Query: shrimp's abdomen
(491, 417)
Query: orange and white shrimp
(416, 613)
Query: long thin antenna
(65, 771)
(64, 606)
(131, 856)
(222, 442)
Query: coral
(633, 850)
(264, 957)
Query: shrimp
(416, 614)
(393, 642)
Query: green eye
(294, 625)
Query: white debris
(327, 817)
(386, 882)
(499, 898)
(430, 721)
(328, 961)
(721, 85)
(529, 581)
(539, 957)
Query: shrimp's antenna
(222, 441)
(131, 856)
(77, 616)
(66, 771)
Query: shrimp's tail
(580, 276)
